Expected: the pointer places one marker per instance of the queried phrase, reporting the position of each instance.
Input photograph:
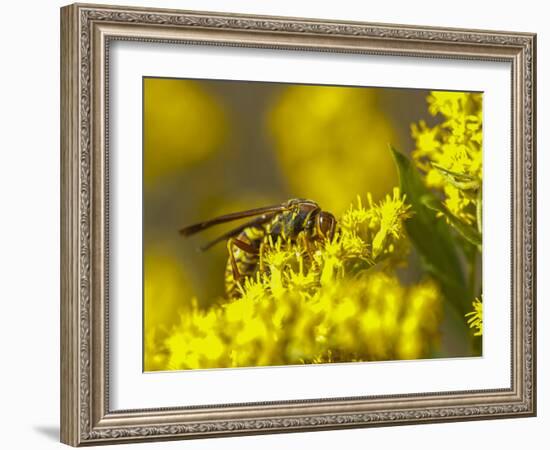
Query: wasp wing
(197, 227)
(234, 232)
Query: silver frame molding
(86, 33)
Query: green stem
(473, 274)
(476, 341)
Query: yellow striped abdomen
(247, 263)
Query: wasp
(291, 220)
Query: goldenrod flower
(319, 302)
(165, 284)
(369, 318)
(476, 317)
(389, 217)
(450, 153)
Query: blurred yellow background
(212, 147)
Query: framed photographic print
(275, 224)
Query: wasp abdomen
(246, 262)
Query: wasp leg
(307, 246)
(245, 247)
(263, 245)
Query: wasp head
(325, 225)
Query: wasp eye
(326, 225)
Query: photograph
(292, 224)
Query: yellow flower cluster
(164, 286)
(476, 317)
(368, 318)
(450, 153)
(332, 302)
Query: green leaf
(432, 237)
(468, 232)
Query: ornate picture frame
(87, 32)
